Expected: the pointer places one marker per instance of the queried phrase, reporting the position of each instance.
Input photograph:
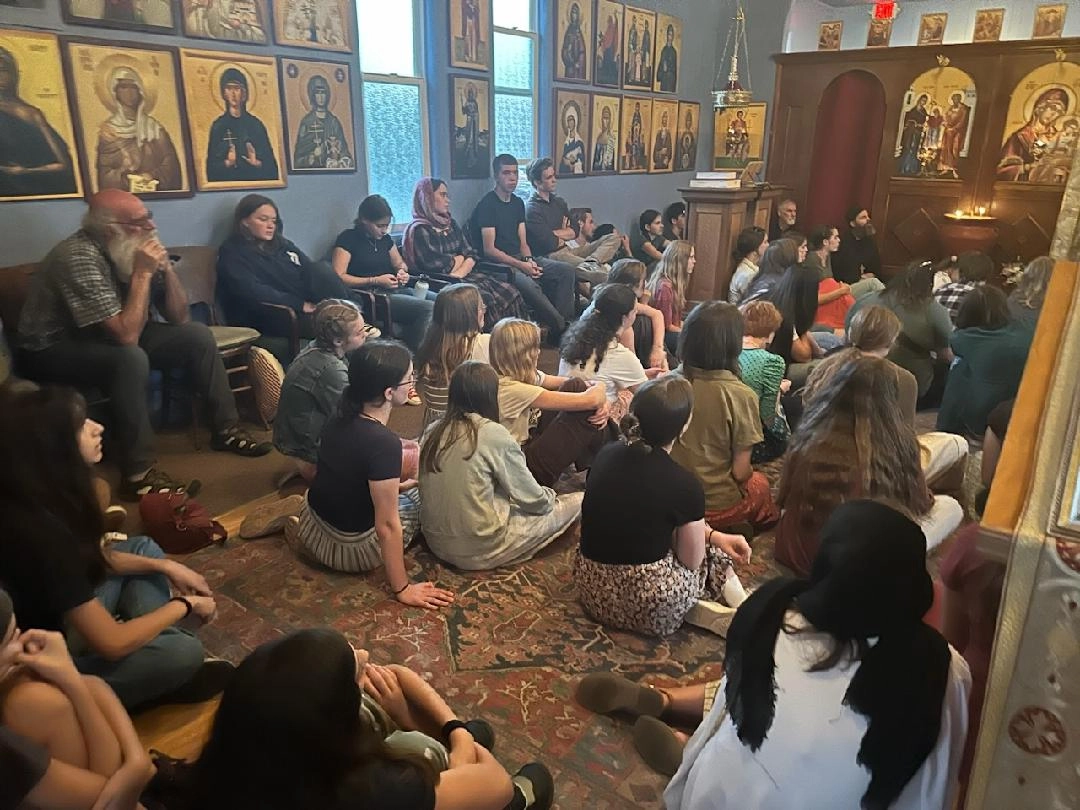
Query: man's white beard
(122, 250)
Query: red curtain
(847, 145)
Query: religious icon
(932, 29)
(605, 134)
(23, 3)
(1042, 126)
(470, 34)
(127, 102)
(738, 136)
(573, 40)
(470, 127)
(640, 28)
(935, 125)
(687, 140)
(636, 123)
(571, 153)
(155, 16)
(1049, 21)
(318, 116)
(234, 107)
(37, 161)
(321, 24)
(668, 48)
(879, 34)
(233, 20)
(609, 21)
(665, 120)
(829, 35)
(988, 23)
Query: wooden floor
(179, 731)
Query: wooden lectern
(714, 218)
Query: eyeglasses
(145, 221)
(407, 381)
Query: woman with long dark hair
(647, 557)
(646, 335)
(750, 248)
(116, 602)
(257, 265)
(359, 514)
(591, 349)
(835, 692)
(482, 508)
(323, 728)
(649, 244)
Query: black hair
(711, 338)
(854, 211)
(536, 168)
(672, 213)
(474, 389)
(658, 413)
(974, 265)
(820, 235)
(248, 205)
(372, 209)
(647, 218)
(603, 230)
(374, 367)
(593, 334)
(912, 286)
(985, 307)
(749, 240)
(502, 160)
(577, 217)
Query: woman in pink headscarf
(434, 243)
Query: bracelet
(708, 537)
(450, 727)
(188, 607)
(402, 588)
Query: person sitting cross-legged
(547, 285)
(969, 271)
(105, 307)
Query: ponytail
(630, 426)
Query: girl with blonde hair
(1026, 300)
(453, 337)
(575, 424)
(854, 442)
(669, 285)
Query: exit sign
(884, 11)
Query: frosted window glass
(512, 14)
(513, 61)
(386, 36)
(395, 143)
(515, 123)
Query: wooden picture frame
(829, 34)
(329, 21)
(152, 16)
(470, 34)
(246, 23)
(607, 58)
(879, 33)
(665, 124)
(738, 136)
(634, 145)
(470, 127)
(130, 117)
(932, 28)
(988, 25)
(604, 158)
(1049, 21)
(666, 64)
(687, 137)
(319, 136)
(571, 128)
(639, 30)
(573, 41)
(234, 114)
(39, 106)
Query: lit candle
(982, 210)
(958, 213)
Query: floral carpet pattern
(509, 650)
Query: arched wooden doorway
(847, 147)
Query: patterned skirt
(500, 297)
(350, 552)
(651, 598)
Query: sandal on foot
(604, 692)
(156, 481)
(270, 518)
(237, 440)
(658, 746)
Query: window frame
(512, 91)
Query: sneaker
(156, 481)
(414, 398)
(237, 440)
(534, 784)
(605, 692)
(482, 733)
(270, 518)
(658, 746)
(711, 616)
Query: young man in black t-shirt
(546, 285)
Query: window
(516, 44)
(394, 102)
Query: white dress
(807, 761)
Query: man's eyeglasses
(145, 221)
(407, 381)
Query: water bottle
(420, 289)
